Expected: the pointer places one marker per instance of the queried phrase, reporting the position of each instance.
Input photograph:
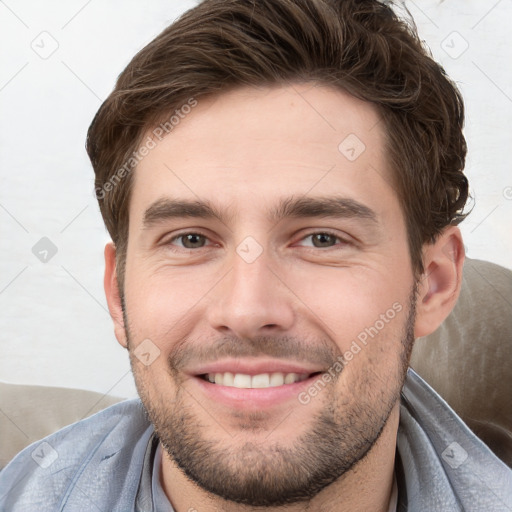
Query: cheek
(353, 303)
(161, 302)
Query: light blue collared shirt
(111, 462)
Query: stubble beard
(270, 474)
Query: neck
(367, 486)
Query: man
(282, 181)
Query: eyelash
(342, 241)
(339, 240)
(182, 235)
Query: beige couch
(29, 413)
(468, 360)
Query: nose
(252, 300)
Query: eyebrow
(166, 209)
(331, 206)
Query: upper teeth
(263, 380)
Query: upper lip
(254, 366)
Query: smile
(253, 383)
(262, 380)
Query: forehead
(249, 147)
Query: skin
(245, 152)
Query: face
(269, 281)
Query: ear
(112, 293)
(439, 287)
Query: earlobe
(439, 287)
(112, 294)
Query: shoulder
(445, 464)
(46, 474)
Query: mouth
(259, 381)
(253, 384)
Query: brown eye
(323, 240)
(192, 240)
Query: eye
(189, 240)
(321, 240)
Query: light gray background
(54, 325)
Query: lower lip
(254, 398)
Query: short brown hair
(360, 46)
